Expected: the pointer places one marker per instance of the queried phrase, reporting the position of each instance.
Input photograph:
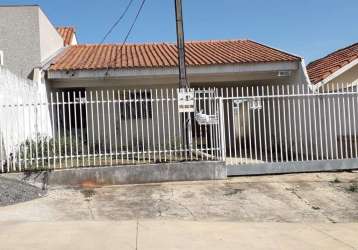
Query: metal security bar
(72, 129)
(290, 123)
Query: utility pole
(183, 80)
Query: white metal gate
(277, 129)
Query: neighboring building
(339, 67)
(27, 39)
(68, 34)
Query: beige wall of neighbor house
(27, 38)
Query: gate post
(222, 129)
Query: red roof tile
(67, 34)
(92, 57)
(326, 66)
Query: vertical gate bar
(274, 96)
(158, 130)
(48, 127)
(210, 126)
(53, 132)
(244, 124)
(320, 126)
(290, 121)
(59, 129)
(269, 121)
(349, 122)
(142, 123)
(254, 123)
(169, 125)
(76, 126)
(237, 137)
(17, 154)
(87, 130)
(109, 128)
(294, 121)
(103, 127)
(81, 122)
(344, 119)
(148, 116)
(335, 123)
(222, 128)
(218, 147)
(299, 103)
(115, 126)
(354, 99)
(330, 122)
(206, 127)
(93, 128)
(310, 127)
(120, 115)
(98, 130)
(200, 127)
(315, 125)
(304, 100)
(136, 124)
(180, 132)
(194, 124)
(174, 126)
(264, 123)
(130, 115)
(284, 121)
(125, 103)
(228, 121)
(163, 123)
(340, 123)
(70, 126)
(324, 100)
(64, 126)
(259, 124)
(153, 124)
(249, 125)
(279, 122)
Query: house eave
(171, 71)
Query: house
(339, 67)
(69, 72)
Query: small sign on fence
(186, 100)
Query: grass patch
(353, 188)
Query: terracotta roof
(92, 57)
(67, 34)
(326, 66)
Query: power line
(117, 21)
(127, 35)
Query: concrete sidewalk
(176, 235)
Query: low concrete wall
(137, 174)
(292, 167)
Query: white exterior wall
(19, 122)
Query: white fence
(290, 124)
(111, 127)
(241, 126)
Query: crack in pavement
(315, 208)
(333, 237)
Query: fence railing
(238, 125)
(105, 128)
(290, 123)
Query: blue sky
(310, 28)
